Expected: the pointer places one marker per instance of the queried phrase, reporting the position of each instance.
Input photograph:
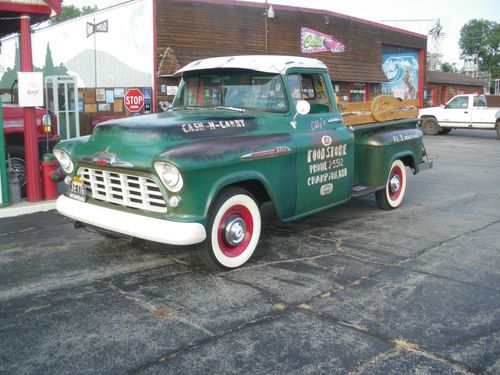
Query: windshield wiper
(183, 107)
(230, 108)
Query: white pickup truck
(462, 111)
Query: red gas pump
(51, 174)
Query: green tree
(482, 37)
(10, 75)
(449, 68)
(49, 69)
(49, 64)
(70, 11)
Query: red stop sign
(134, 100)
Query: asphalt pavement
(350, 290)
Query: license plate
(77, 191)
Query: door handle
(466, 111)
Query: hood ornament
(109, 158)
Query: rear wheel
(17, 164)
(430, 126)
(498, 128)
(444, 131)
(392, 195)
(233, 230)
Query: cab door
(456, 113)
(324, 146)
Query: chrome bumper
(147, 228)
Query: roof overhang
(38, 10)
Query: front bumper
(147, 228)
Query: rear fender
(376, 153)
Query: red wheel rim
(235, 250)
(395, 172)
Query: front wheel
(430, 126)
(392, 195)
(498, 128)
(233, 230)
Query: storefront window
(357, 92)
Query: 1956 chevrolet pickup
(242, 130)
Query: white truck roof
(260, 63)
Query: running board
(360, 191)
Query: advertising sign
(101, 27)
(30, 89)
(312, 41)
(147, 94)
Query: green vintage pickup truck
(242, 130)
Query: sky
(453, 14)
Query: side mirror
(47, 123)
(302, 108)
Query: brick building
(442, 86)
(368, 58)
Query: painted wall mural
(401, 67)
(120, 57)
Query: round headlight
(65, 161)
(170, 176)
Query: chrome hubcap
(395, 183)
(235, 230)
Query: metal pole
(265, 25)
(66, 110)
(32, 160)
(95, 56)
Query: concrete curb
(25, 207)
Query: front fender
(211, 165)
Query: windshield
(234, 89)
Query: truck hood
(138, 141)
(428, 111)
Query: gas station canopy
(38, 10)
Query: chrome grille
(127, 190)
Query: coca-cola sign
(312, 41)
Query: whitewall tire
(392, 195)
(233, 230)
